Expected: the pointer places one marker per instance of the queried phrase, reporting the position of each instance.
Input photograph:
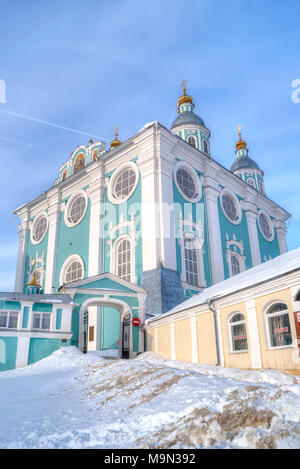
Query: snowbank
(72, 400)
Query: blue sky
(89, 65)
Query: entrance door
(126, 338)
(85, 331)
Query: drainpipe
(212, 308)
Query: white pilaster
(22, 350)
(150, 225)
(281, 235)
(220, 338)
(215, 244)
(54, 216)
(94, 193)
(23, 234)
(251, 216)
(256, 359)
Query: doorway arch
(125, 317)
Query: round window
(39, 229)
(123, 183)
(230, 206)
(187, 182)
(266, 226)
(75, 209)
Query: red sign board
(136, 322)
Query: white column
(281, 234)
(23, 350)
(193, 325)
(54, 216)
(150, 216)
(220, 338)
(214, 234)
(94, 235)
(254, 342)
(166, 202)
(23, 233)
(251, 216)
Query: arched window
(278, 325)
(191, 262)
(235, 265)
(205, 146)
(123, 259)
(64, 176)
(192, 141)
(95, 155)
(261, 186)
(79, 163)
(297, 297)
(72, 270)
(238, 333)
(251, 182)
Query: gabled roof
(106, 281)
(283, 264)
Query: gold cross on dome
(116, 130)
(184, 82)
(239, 128)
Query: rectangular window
(9, 319)
(3, 319)
(41, 321)
(13, 321)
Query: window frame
(205, 142)
(66, 264)
(230, 326)
(8, 313)
(270, 223)
(193, 137)
(111, 185)
(192, 240)
(114, 258)
(41, 315)
(266, 316)
(237, 205)
(33, 226)
(68, 222)
(196, 179)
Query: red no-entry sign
(136, 322)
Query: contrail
(20, 142)
(51, 124)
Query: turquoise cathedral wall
(73, 240)
(31, 250)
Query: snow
(75, 400)
(282, 264)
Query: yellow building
(249, 321)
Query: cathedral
(130, 232)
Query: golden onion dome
(185, 98)
(116, 142)
(240, 144)
(33, 282)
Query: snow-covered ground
(71, 400)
